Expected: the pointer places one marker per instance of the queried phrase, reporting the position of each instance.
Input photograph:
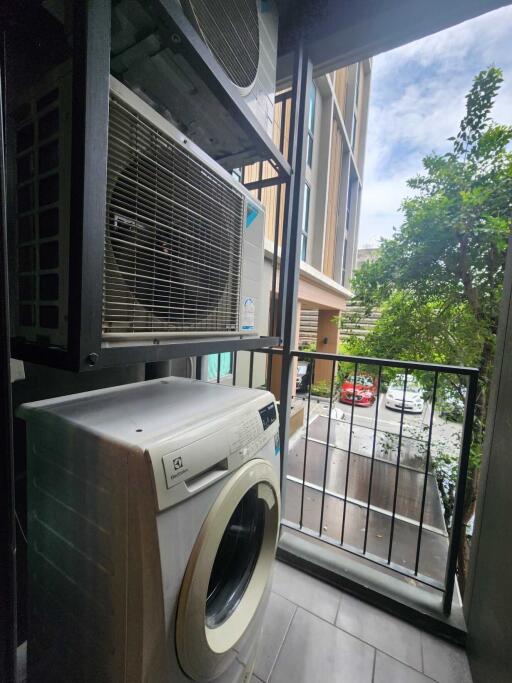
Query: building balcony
(374, 482)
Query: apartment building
(336, 130)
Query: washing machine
(153, 515)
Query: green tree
(438, 280)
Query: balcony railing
(380, 464)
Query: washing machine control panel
(251, 435)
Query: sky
(417, 101)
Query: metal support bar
(347, 472)
(290, 254)
(397, 472)
(303, 488)
(374, 446)
(278, 229)
(235, 360)
(251, 369)
(425, 479)
(326, 462)
(91, 72)
(265, 182)
(130, 355)
(458, 510)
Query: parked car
(303, 378)
(361, 390)
(413, 401)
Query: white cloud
(416, 103)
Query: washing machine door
(228, 571)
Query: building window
(354, 115)
(347, 214)
(344, 266)
(219, 365)
(351, 201)
(305, 224)
(311, 125)
(354, 131)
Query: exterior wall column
(326, 342)
(488, 594)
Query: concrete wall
(488, 599)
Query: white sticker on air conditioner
(248, 314)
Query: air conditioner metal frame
(89, 144)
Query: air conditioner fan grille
(230, 28)
(173, 235)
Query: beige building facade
(335, 150)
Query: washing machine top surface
(192, 432)
(142, 411)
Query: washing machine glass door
(228, 571)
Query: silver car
(412, 402)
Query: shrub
(321, 388)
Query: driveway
(348, 496)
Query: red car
(365, 390)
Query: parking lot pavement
(415, 425)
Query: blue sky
(416, 103)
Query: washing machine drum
(228, 571)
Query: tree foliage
(438, 280)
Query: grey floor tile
(277, 621)
(304, 590)
(389, 670)
(444, 662)
(393, 636)
(315, 651)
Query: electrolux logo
(177, 468)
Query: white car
(413, 403)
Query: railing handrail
(371, 360)
(387, 362)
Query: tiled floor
(314, 633)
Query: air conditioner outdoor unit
(183, 240)
(240, 42)
(242, 36)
